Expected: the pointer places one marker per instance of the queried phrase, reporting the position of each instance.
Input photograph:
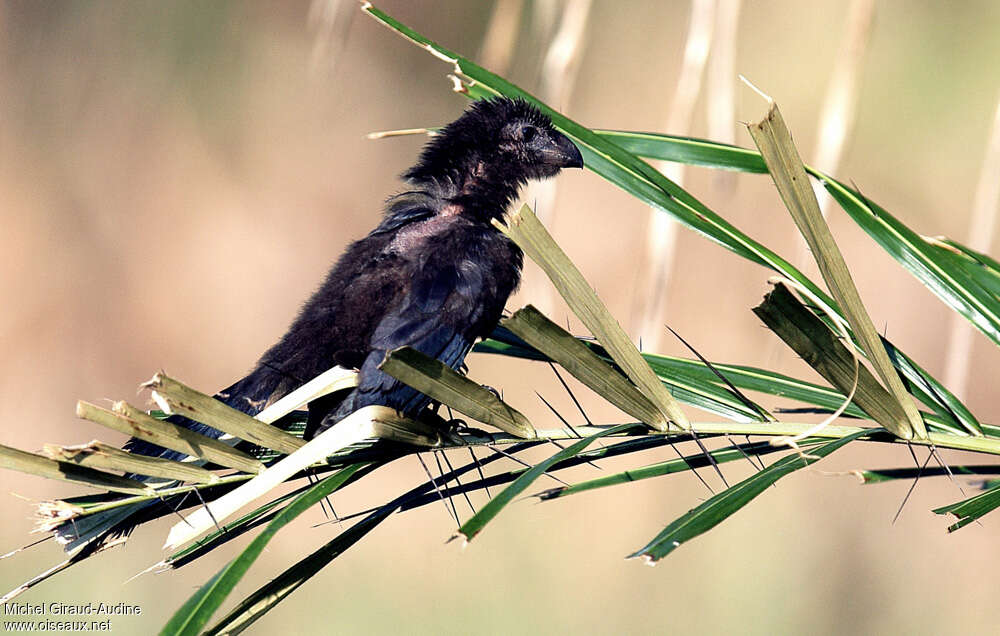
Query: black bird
(435, 274)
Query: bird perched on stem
(434, 275)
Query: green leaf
(266, 597)
(705, 395)
(231, 530)
(195, 613)
(948, 282)
(978, 266)
(687, 150)
(754, 379)
(973, 508)
(899, 241)
(719, 507)
(969, 287)
(954, 415)
(691, 382)
(679, 465)
(474, 525)
(251, 520)
(883, 475)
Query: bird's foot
(492, 390)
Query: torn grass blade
(365, 423)
(330, 381)
(21, 461)
(719, 507)
(582, 363)
(79, 511)
(524, 228)
(440, 382)
(775, 143)
(813, 341)
(176, 398)
(478, 521)
(127, 419)
(104, 457)
(192, 617)
(973, 508)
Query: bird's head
(494, 148)
(522, 138)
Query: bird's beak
(562, 153)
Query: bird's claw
(492, 390)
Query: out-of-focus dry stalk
(501, 34)
(653, 279)
(543, 18)
(982, 227)
(331, 20)
(721, 89)
(562, 60)
(836, 120)
(559, 71)
(839, 111)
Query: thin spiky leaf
(487, 513)
(191, 618)
(721, 506)
(679, 465)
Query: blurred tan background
(175, 178)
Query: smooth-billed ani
(435, 274)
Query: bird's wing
(436, 316)
(406, 208)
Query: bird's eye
(528, 133)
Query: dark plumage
(434, 275)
